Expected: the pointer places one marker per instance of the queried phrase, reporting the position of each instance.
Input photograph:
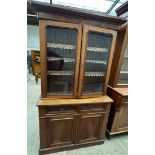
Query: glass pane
(61, 52)
(97, 53)
(123, 77)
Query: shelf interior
(97, 53)
(61, 55)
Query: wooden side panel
(120, 122)
(118, 119)
(121, 41)
(123, 119)
(42, 126)
(43, 62)
(103, 126)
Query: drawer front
(60, 110)
(54, 110)
(93, 108)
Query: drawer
(64, 110)
(93, 108)
(60, 110)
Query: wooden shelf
(64, 46)
(60, 46)
(96, 61)
(124, 72)
(62, 73)
(96, 49)
(56, 59)
(73, 60)
(94, 73)
(70, 73)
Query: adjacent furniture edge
(121, 91)
(121, 41)
(118, 117)
(115, 133)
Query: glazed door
(96, 57)
(60, 54)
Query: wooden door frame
(87, 28)
(42, 25)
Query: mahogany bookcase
(76, 50)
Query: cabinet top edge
(53, 102)
(122, 91)
(76, 13)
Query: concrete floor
(118, 145)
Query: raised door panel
(120, 122)
(123, 119)
(96, 57)
(60, 131)
(60, 54)
(89, 127)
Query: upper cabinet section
(76, 50)
(75, 64)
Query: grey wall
(32, 38)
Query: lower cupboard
(72, 126)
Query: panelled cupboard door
(122, 119)
(60, 130)
(123, 123)
(60, 53)
(123, 75)
(96, 58)
(90, 126)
